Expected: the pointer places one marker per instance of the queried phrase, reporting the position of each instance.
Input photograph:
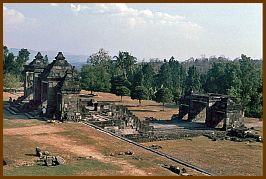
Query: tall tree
(139, 93)
(165, 76)
(125, 62)
(122, 91)
(46, 60)
(95, 78)
(163, 95)
(249, 83)
(101, 58)
(193, 80)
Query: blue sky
(145, 30)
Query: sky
(146, 30)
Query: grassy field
(147, 108)
(74, 140)
(219, 157)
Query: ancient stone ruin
(213, 109)
(54, 86)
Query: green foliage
(101, 58)
(15, 65)
(95, 78)
(241, 78)
(193, 80)
(122, 91)
(11, 81)
(139, 93)
(163, 95)
(214, 78)
(176, 95)
(164, 78)
(46, 60)
(117, 82)
(125, 62)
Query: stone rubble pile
(47, 160)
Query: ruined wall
(216, 110)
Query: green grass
(62, 170)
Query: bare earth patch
(33, 130)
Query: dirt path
(49, 137)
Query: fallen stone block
(185, 174)
(45, 153)
(129, 152)
(184, 170)
(49, 161)
(175, 169)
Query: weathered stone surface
(45, 152)
(184, 170)
(38, 151)
(129, 152)
(49, 161)
(175, 169)
(185, 174)
(215, 109)
(59, 160)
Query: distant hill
(76, 60)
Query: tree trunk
(163, 106)
(91, 91)
(121, 99)
(139, 101)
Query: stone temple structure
(212, 109)
(54, 86)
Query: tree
(193, 80)
(251, 82)
(87, 78)
(164, 78)
(148, 75)
(122, 91)
(103, 59)
(95, 78)
(45, 60)
(139, 93)
(214, 78)
(119, 81)
(23, 57)
(125, 62)
(9, 64)
(11, 81)
(138, 79)
(163, 95)
(176, 95)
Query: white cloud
(14, 19)
(78, 7)
(54, 4)
(135, 16)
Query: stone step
(11, 111)
(29, 115)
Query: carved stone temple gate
(213, 109)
